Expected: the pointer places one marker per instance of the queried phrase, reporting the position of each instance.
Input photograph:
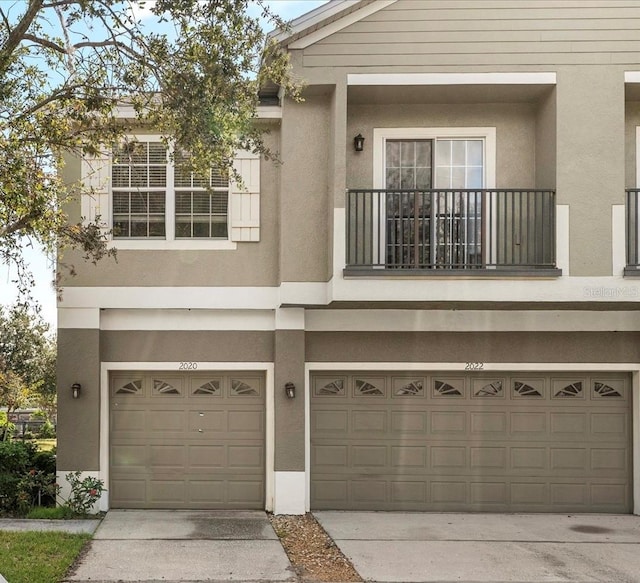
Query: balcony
(451, 232)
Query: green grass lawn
(38, 557)
(45, 444)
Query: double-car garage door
(187, 440)
(471, 442)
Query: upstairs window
(201, 202)
(156, 199)
(143, 196)
(139, 186)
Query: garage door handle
(200, 430)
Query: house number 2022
(188, 366)
(474, 366)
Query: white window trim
(381, 135)
(169, 242)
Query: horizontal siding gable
(484, 33)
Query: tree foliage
(190, 68)
(27, 360)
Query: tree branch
(17, 35)
(44, 42)
(20, 224)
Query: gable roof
(325, 20)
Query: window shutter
(95, 205)
(245, 199)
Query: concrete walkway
(84, 526)
(496, 548)
(179, 546)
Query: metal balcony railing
(633, 238)
(450, 230)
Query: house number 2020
(188, 366)
(474, 366)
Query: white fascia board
(338, 25)
(533, 78)
(298, 292)
(187, 319)
(312, 18)
(79, 318)
(211, 298)
(290, 319)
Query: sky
(42, 266)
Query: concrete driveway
(496, 548)
(175, 546)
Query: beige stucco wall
(176, 345)
(509, 347)
(515, 125)
(304, 200)
(289, 413)
(78, 429)
(546, 149)
(590, 161)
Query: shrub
(84, 493)
(45, 461)
(27, 477)
(47, 431)
(16, 459)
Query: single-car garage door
(471, 441)
(187, 440)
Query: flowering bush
(84, 492)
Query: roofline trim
(311, 30)
(520, 78)
(311, 18)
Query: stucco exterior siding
(515, 125)
(289, 413)
(590, 162)
(173, 346)
(511, 347)
(545, 152)
(304, 204)
(78, 419)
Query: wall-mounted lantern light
(75, 389)
(290, 390)
(358, 143)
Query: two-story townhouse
(429, 305)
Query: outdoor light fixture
(75, 389)
(290, 390)
(358, 143)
